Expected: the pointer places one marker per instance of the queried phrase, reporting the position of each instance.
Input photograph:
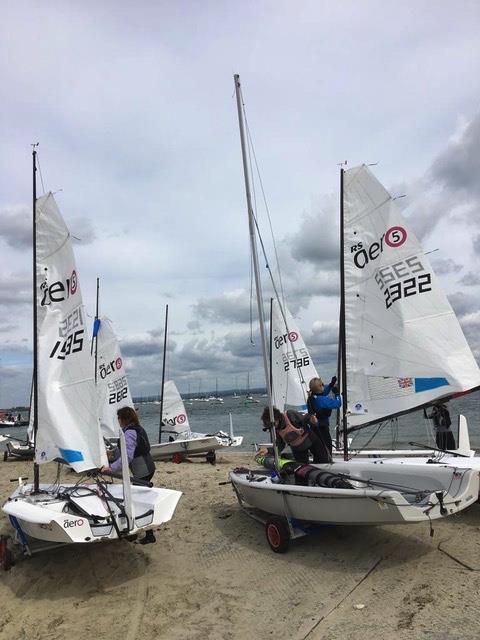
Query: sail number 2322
(403, 279)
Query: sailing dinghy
(65, 414)
(344, 492)
(183, 442)
(404, 347)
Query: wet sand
(211, 575)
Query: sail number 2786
(403, 279)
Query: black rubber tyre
(278, 534)
(211, 457)
(5, 456)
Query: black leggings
(319, 451)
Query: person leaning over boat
(293, 428)
(441, 423)
(320, 405)
(140, 461)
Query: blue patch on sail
(427, 384)
(70, 455)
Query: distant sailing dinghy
(183, 442)
(66, 424)
(351, 493)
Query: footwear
(149, 538)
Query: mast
(95, 330)
(342, 342)
(163, 373)
(253, 243)
(36, 469)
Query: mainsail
(67, 405)
(112, 384)
(404, 345)
(174, 416)
(292, 366)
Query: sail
(68, 425)
(292, 366)
(112, 384)
(404, 345)
(174, 415)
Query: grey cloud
(444, 266)
(476, 244)
(227, 308)
(463, 304)
(458, 167)
(15, 289)
(16, 226)
(317, 239)
(145, 345)
(470, 279)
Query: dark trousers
(320, 453)
(445, 440)
(323, 432)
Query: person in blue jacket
(321, 401)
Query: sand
(211, 575)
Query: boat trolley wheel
(5, 456)
(278, 534)
(6, 556)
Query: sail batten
(404, 345)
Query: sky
(133, 106)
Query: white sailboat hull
(191, 446)
(85, 518)
(360, 505)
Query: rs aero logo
(171, 422)
(59, 290)
(107, 369)
(393, 237)
(291, 336)
(72, 523)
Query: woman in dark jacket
(140, 461)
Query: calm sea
(209, 417)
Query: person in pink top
(294, 429)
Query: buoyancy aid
(142, 464)
(292, 435)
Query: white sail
(292, 366)
(67, 405)
(112, 384)
(404, 345)
(174, 416)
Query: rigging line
(252, 341)
(40, 172)
(277, 260)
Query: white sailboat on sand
(339, 493)
(404, 348)
(65, 419)
(183, 443)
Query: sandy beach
(212, 575)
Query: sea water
(210, 417)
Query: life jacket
(142, 464)
(292, 435)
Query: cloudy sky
(133, 106)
